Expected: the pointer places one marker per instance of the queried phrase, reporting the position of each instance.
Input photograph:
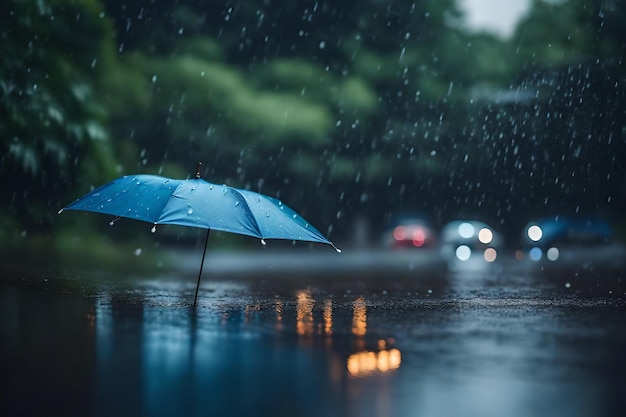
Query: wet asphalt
(372, 334)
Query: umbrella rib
(246, 207)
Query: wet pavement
(471, 339)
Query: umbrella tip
(60, 211)
(336, 248)
(198, 170)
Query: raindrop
(153, 229)
(60, 211)
(322, 45)
(137, 251)
(111, 223)
(154, 78)
(568, 285)
(263, 242)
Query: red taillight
(419, 237)
(399, 233)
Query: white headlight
(535, 233)
(463, 253)
(466, 230)
(485, 236)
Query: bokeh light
(490, 254)
(535, 254)
(552, 254)
(535, 233)
(466, 230)
(463, 253)
(485, 236)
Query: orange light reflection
(328, 317)
(304, 314)
(365, 363)
(359, 317)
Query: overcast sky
(497, 16)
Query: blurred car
(463, 239)
(409, 230)
(547, 237)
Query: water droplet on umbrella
(60, 211)
(263, 242)
(189, 210)
(258, 199)
(211, 187)
(153, 229)
(193, 188)
(294, 216)
(236, 203)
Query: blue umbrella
(198, 203)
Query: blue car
(547, 236)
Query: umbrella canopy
(198, 203)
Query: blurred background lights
(418, 238)
(490, 254)
(485, 235)
(552, 254)
(535, 233)
(463, 252)
(466, 230)
(535, 254)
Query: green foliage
(364, 105)
(51, 116)
(556, 33)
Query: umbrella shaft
(206, 242)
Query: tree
(53, 132)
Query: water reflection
(304, 313)
(328, 317)
(155, 360)
(362, 360)
(367, 362)
(76, 356)
(359, 317)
